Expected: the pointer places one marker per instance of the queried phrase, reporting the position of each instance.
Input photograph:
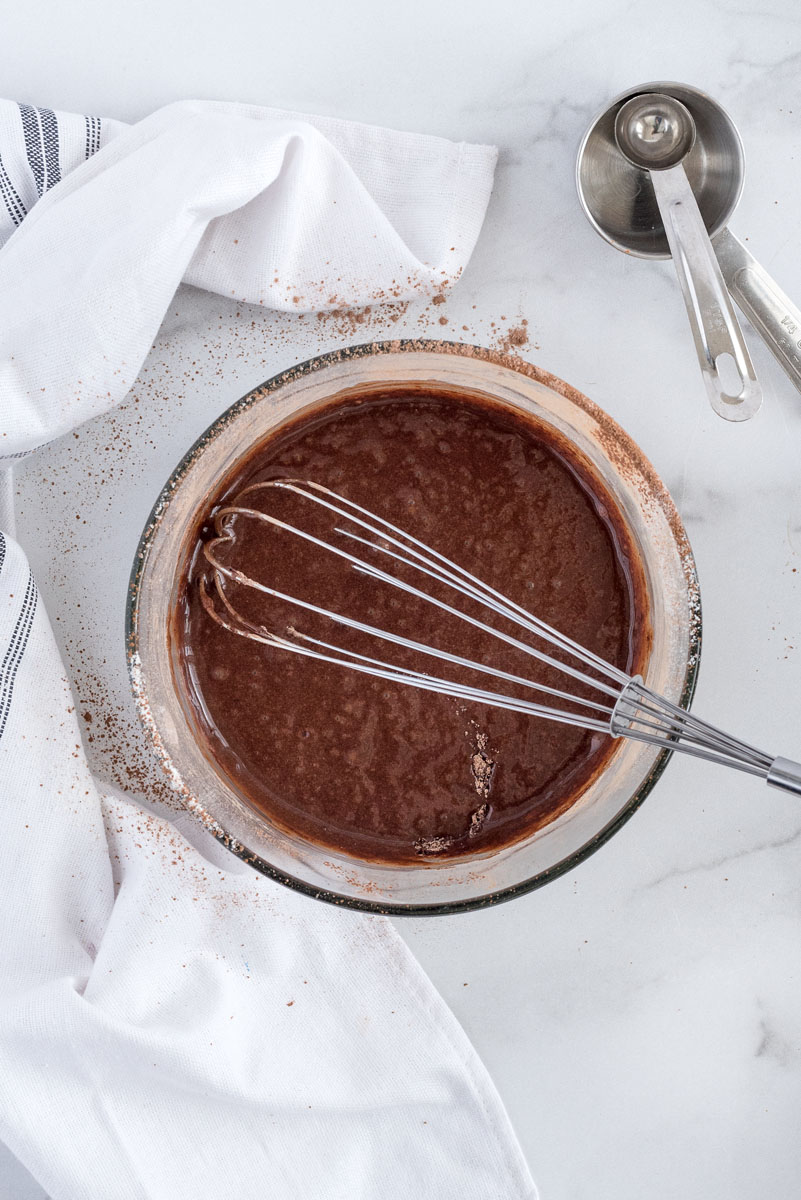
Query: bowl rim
(298, 371)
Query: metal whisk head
(601, 696)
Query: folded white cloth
(261, 205)
(172, 1024)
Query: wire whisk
(619, 704)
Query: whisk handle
(785, 774)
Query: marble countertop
(640, 1016)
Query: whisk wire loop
(628, 707)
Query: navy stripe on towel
(92, 135)
(16, 209)
(17, 644)
(40, 128)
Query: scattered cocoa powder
(514, 339)
(482, 767)
(433, 845)
(477, 820)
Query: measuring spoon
(620, 202)
(656, 132)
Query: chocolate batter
(378, 770)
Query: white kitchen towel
(269, 207)
(173, 1025)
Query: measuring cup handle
(771, 313)
(714, 323)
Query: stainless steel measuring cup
(619, 201)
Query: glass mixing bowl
(453, 885)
